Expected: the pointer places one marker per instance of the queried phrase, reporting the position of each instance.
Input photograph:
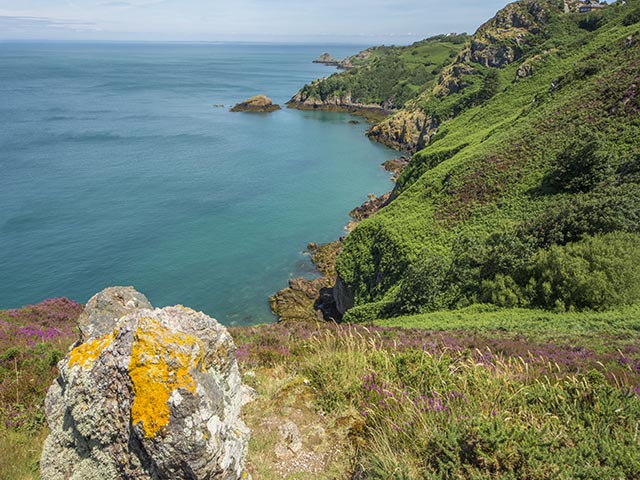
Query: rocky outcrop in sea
(146, 394)
(257, 104)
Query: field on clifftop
(481, 393)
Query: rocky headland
(257, 104)
(327, 59)
(339, 103)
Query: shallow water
(117, 169)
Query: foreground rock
(155, 396)
(258, 104)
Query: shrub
(579, 168)
(427, 285)
(591, 22)
(631, 18)
(615, 207)
(596, 273)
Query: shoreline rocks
(258, 104)
(327, 59)
(306, 300)
(154, 394)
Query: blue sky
(326, 21)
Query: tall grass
(473, 414)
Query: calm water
(117, 169)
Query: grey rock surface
(158, 396)
(104, 309)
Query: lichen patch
(161, 362)
(87, 353)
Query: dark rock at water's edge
(327, 59)
(258, 104)
(396, 166)
(306, 300)
(146, 394)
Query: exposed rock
(396, 166)
(105, 308)
(327, 59)
(370, 207)
(312, 299)
(500, 41)
(257, 104)
(408, 130)
(525, 70)
(343, 297)
(358, 59)
(452, 80)
(303, 100)
(157, 396)
(290, 441)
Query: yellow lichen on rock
(87, 353)
(161, 362)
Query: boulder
(155, 396)
(258, 104)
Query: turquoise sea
(117, 169)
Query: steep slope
(528, 194)
(381, 78)
(470, 79)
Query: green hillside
(527, 193)
(388, 76)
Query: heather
(482, 402)
(32, 341)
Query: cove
(119, 167)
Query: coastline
(371, 114)
(305, 300)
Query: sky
(304, 21)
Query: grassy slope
(504, 150)
(396, 73)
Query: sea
(120, 164)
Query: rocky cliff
(504, 39)
(146, 394)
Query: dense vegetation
(529, 194)
(390, 75)
(480, 393)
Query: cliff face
(407, 130)
(498, 43)
(305, 100)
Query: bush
(631, 18)
(427, 285)
(597, 273)
(601, 211)
(591, 22)
(368, 312)
(580, 168)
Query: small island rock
(259, 104)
